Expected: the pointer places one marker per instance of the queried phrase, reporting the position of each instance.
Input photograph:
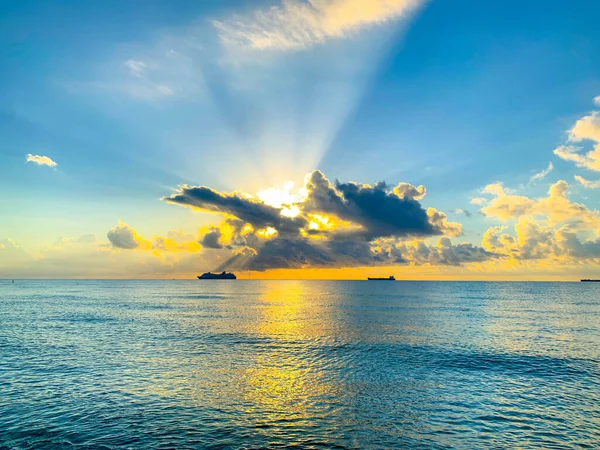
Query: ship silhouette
(390, 278)
(217, 276)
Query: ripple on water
(127, 364)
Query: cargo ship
(217, 276)
(390, 278)
(587, 280)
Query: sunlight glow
(320, 222)
(283, 198)
(278, 197)
(292, 211)
(247, 229)
(267, 233)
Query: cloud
(587, 183)
(479, 201)
(287, 253)
(127, 238)
(249, 210)
(590, 160)
(461, 211)
(532, 241)
(551, 231)
(408, 191)
(40, 160)
(136, 68)
(536, 241)
(124, 237)
(380, 210)
(85, 256)
(505, 206)
(555, 209)
(444, 253)
(296, 24)
(212, 239)
(576, 248)
(169, 244)
(12, 255)
(541, 175)
(597, 100)
(585, 129)
(333, 225)
(302, 253)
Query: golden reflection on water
(283, 309)
(283, 377)
(286, 377)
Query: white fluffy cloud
(587, 183)
(555, 209)
(550, 231)
(585, 129)
(535, 241)
(479, 201)
(125, 237)
(40, 160)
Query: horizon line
(300, 279)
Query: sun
(283, 198)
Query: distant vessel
(587, 280)
(217, 276)
(390, 278)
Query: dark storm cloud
(281, 253)
(255, 212)
(380, 210)
(211, 239)
(284, 253)
(352, 253)
(381, 217)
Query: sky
(300, 139)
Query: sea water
(299, 364)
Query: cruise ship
(217, 276)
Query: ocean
(298, 364)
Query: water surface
(299, 364)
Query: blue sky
(132, 100)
